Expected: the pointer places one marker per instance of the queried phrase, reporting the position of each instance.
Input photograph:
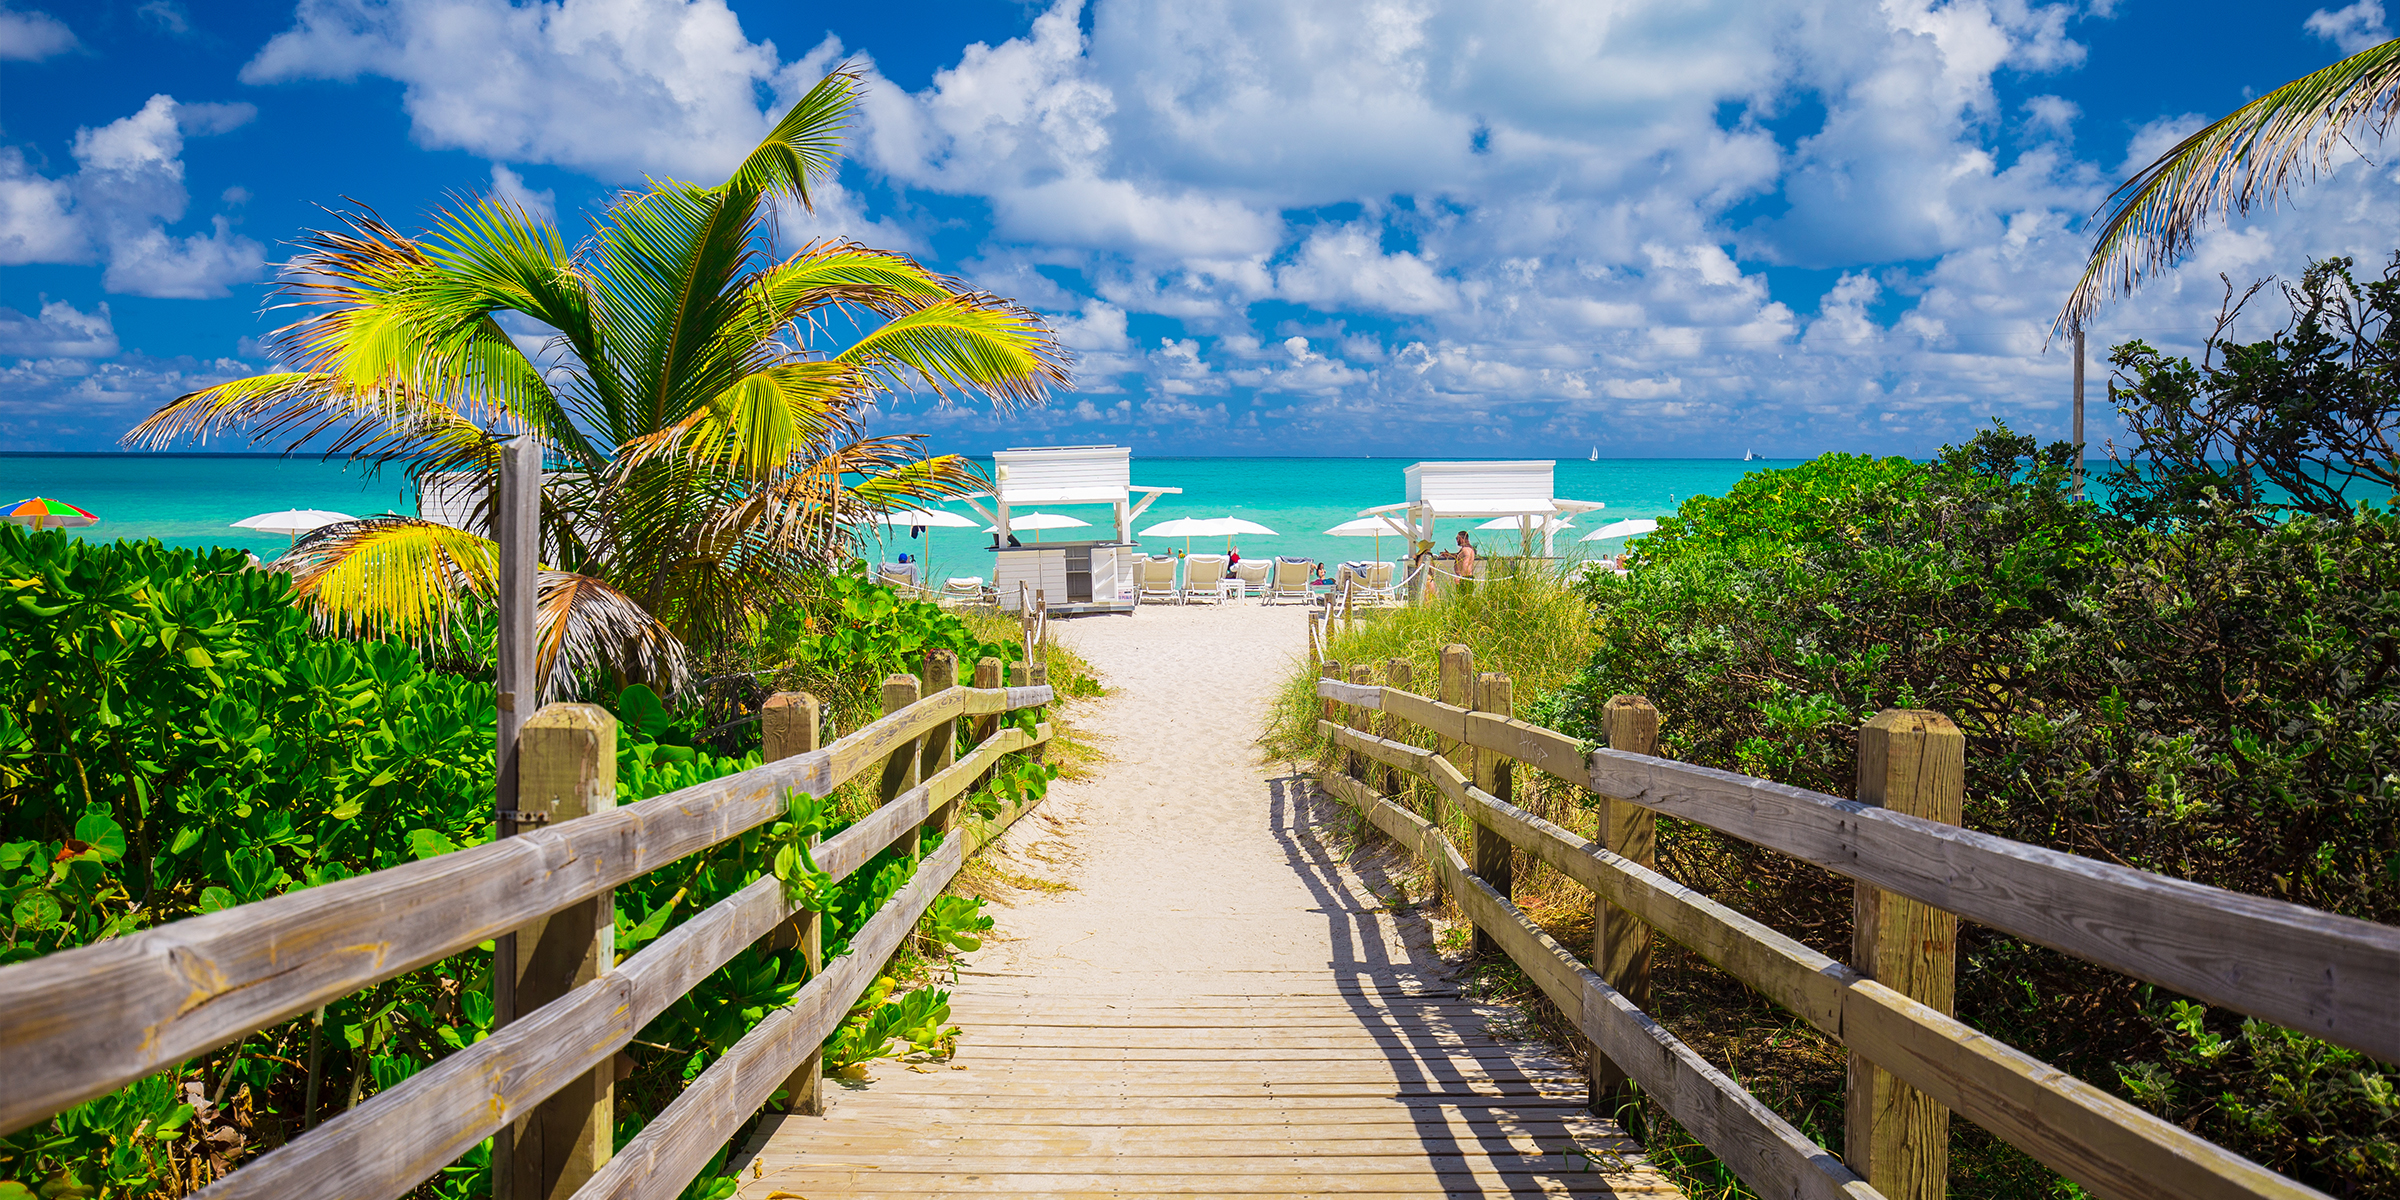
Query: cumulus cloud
(83, 403)
(60, 331)
(32, 36)
(619, 89)
(2353, 29)
(115, 207)
(508, 188)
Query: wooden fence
(1916, 871)
(85, 1022)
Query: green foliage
(917, 1021)
(174, 741)
(2300, 420)
(2211, 700)
(1014, 784)
(845, 633)
(957, 923)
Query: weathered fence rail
(84, 1022)
(1912, 1062)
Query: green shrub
(2218, 700)
(174, 740)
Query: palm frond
(585, 629)
(754, 427)
(2251, 157)
(846, 272)
(673, 304)
(973, 342)
(805, 143)
(397, 577)
(388, 423)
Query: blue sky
(1403, 227)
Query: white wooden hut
(1524, 490)
(1071, 576)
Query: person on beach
(1462, 562)
(1233, 558)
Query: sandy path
(1217, 1005)
(1188, 854)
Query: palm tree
(2249, 158)
(699, 406)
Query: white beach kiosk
(1524, 490)
(1082, 576)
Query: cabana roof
(1483, 489)
(1023, 476)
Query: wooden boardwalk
(1249, 1084)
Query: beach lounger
(1291, 580)
(1253, 575)
(966, 590)
(1375, 583)
(1158, 580)
(1204, 578)
(899, 575)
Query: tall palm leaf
(2251, 157)
(702, 410)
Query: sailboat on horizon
(1595, 454)
(1749, 456)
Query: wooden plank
(2312, 971)
(1621, 941)
(84, 1022)
(1446, 720)
(1770, 1156)
(396, 1139)
(1914, 763)
(1353, 694)
(1536, 747)
(672, 1148)
(567, 768)
(2103, 1143)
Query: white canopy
(1040, 520)
(1622, 529)
(1518, 491)
(1065, 475)
(293, 521)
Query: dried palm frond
(587, 630)
(2251, 157)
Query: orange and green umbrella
(41, 512)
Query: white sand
(1188, 854)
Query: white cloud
(78, 403)
(116, 206)
(2353, 29)
(616, 88)
(32, 36)
(61, 331)
(508, 188)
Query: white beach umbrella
(1038, 521)
(1186, 528)
(1543, 523)
(293, 521)
(1229, 526)
(1620, 529)
(931, 518)
(1374, 527)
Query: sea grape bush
(2213, 699)
(175, 740)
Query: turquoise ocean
(193, 500)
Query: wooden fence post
(941, 745)
(1620, 941)
(566, 769)
(792, 723)
(900, 770)
(1912, 762)
(1396, 674)
(1495, 775)
(1329, 710)
(989, 673)
(1360, 720)
(1455, 683)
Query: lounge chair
(1253, 575)
(966, 590)
(1374, 583)
(1291, 580)
(1204, 578)
(899, 575)
(1158, 580)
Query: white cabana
(1091, 576)
(1515, 491)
